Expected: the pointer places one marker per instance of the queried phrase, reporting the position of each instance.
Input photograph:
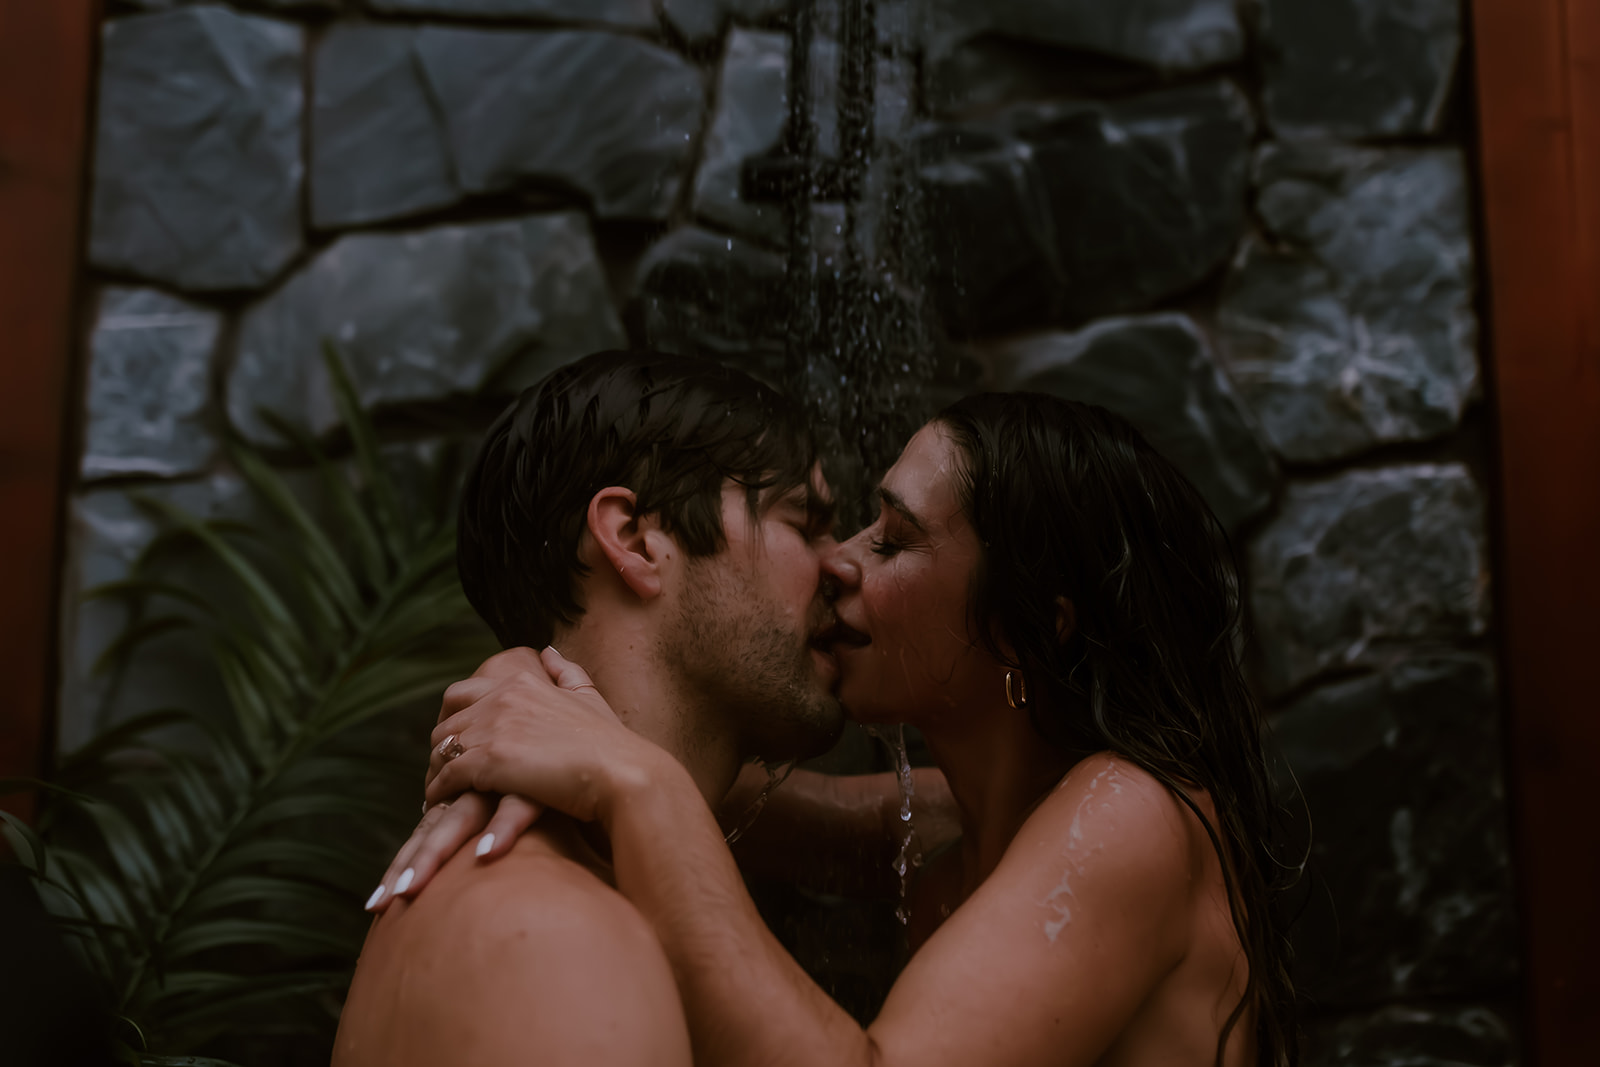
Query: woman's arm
(1045, 964)
(837, 833)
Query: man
(656, 519)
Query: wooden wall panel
(1538, 90)
(46, 52)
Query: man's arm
(838, 833)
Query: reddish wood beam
(46, 56)
(1538, 90)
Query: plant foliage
(209, 864)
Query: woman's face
(904, 588)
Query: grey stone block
(197, 163)
(1170, 35)
(425, 315)
(701, 20)
(1359, 562)
(149, 385)
(697, 21)
(1157, 372)
(378, 147)
(752, 115)
(711, 295)
(293, 6)
(1358, 68)
(1355, 326)
(1410, 883)
(1412, 1036)
(523, 106)
(988, 72)
(1075, 211)
(625, 14)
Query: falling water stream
(858, 348)
(904, 861)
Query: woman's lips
(838, 637)
(846, 637)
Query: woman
(1055, 607)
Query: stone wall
(1246, 226)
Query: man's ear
(1066, 619)
(632, 546)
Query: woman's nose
(841, 571)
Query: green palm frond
(209, 864)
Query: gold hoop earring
(1016, 690)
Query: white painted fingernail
(485, 843)
(377, 895)
(403, 883)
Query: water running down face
(906, 649)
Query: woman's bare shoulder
(1109, 805)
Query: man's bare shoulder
(533, 953)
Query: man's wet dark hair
(1068, 499)
(672, 428)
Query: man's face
(747, 620)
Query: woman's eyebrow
(892, 500)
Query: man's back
(531, 959)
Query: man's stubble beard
(733, 649)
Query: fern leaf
(386, 505)
(323, 564)
(215, 882)
(370, 562)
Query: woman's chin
(867, 716)
(864, 709)
(869, 704)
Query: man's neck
(652, 702)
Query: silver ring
(426, 807)
(585, 685)
(450, 748)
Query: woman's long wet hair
(1069, 500)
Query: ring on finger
(585, 685)
(450, 747)
(426, 807)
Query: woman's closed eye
(885, 546)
